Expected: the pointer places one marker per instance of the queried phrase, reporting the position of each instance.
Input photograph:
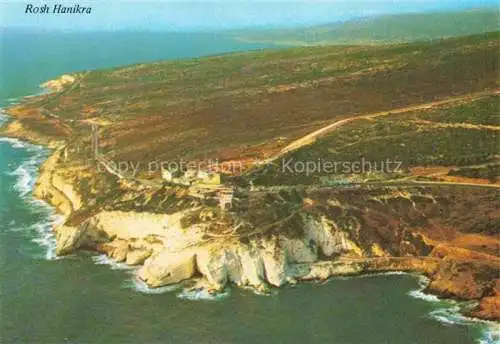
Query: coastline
(442, 314)
(148, 256)
(61, 194)
(268, 267)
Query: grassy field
(405, 138)
(484, 111)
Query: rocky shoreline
(174, 238)
(169, 253)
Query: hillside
(430, 106)
(388, 29)
(454, 141)
(249, 106)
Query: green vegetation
(400, 137)
(250, 105)
(484, 111)
(490, 172)
(385, 29)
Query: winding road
(312, 137)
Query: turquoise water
(84, 299)
(28, 58)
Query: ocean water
(89, 299)
(28, 58)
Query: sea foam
(45, 236)
(15, 143)
(26, 175)
(140, 286)
(203, 294)
(27, 172)
(449, 314)
(103, 259)
(419, 293)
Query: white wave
(423, 282)
(448, 316)
(202, 294)
(3, 117)
(490, 329)
(15, 143)
(41, 232)
(449, 313)
(24, 182)
(16, 100)
(30, 147)
(103, 259)
(46, 238)
(378, 274)
(491, 335)
(13, 100)
(26, 174)
(45, 229)
(418, 294)
(452, 316)
(140, 286)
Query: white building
(167, 175)
(225, 197)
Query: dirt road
(312, 137)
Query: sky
(189, 15)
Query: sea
(86, 298)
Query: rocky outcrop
(59, 83)
(165, 227)
(255, 264)
(219, 265)
(69, 239)
(171, 253)
(53, 189)
(168, 267)
(65, 186)
(141, 231)
(465, 275)
(138, 256)
(260, 262)
(299, 250)
(488, 309)
(117, 249)
(170, 250)
(275, 261)
(324, 270)
(329, 238)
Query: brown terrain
(433, 106)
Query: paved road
(306, 140)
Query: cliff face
(54, 190)
(330, 232)
(60, 83)
(172, 254)
(280, 231)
